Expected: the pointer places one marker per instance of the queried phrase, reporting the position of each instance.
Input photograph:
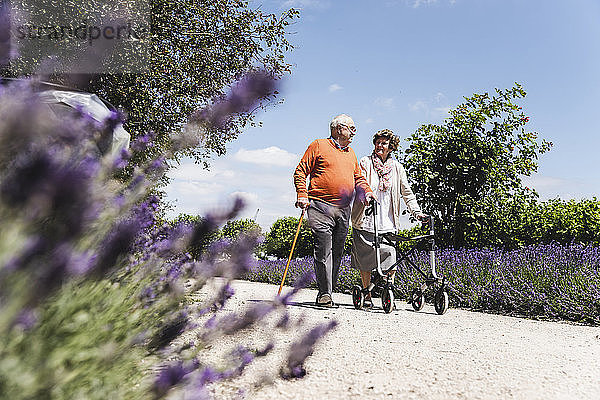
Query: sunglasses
(350, 128)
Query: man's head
(342, 129)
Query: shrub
(566, 222)
(278, 242)
(518, 222)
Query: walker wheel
(357, 297)
(417, 299)
(387, 300)
(441, 301)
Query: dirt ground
(419, 355)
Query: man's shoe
(324, 300)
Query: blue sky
(399, 64)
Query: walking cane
(291, 252)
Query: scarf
(383, 170)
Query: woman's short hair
(387, 134)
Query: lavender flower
(172, 375)
(116, 245)
(224, 294)
(300, 350)
(243, 96)
(122, 160)
(26, 319)
(5, 41)
(143, 142)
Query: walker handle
(371, 208)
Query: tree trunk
(459, 226)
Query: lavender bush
(93, 289)
(543, 281)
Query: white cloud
(418, 105)
(549, 187)
(334, 87)
(369, 121)
(441, 111)
(439, 96)
(193, 173)
(418, 3)
(268, 192)
(304, 4)
(432, 107)
(270, 156)
(249, 198)
(385, 102)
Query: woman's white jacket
(400, 189)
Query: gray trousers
(329, 226)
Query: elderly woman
(387, 178)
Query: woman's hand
(422, 217)
(368, 197)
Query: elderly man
(334, 174)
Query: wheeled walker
(381, 280)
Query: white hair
(338, 120)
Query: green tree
(279, 239)
(234, 228)
(473, 161)
(278, 242)
(196, 50)
(196, 249)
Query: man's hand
(302, 203)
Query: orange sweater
(333, 173)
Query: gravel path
(422, 355)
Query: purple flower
(208, 375)
(172, 375)
(265, 351)
(283, 322)
(26, 319)
(300, 350)
(117, 244)
(244, 95)
(142, 142)
(122, 160)
(250, 317)
(6, 51)
(157, 167)
(224, 294)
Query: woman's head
(385, 142)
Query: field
(543, 282)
